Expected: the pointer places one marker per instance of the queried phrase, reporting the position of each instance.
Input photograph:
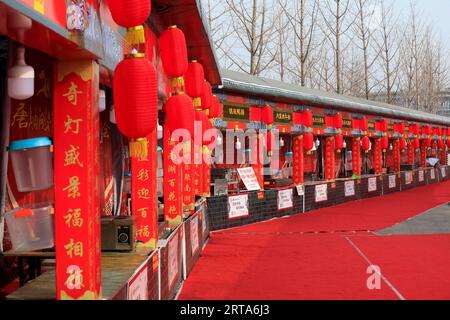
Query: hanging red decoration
(399, 127)
(214, 111)
(338, 121)
(194, 79)
(402, 144)
(180, 104)
(428, 142)
(267, 115)
(339, 142)
(131, 14)
(297, 118)
(364, 124)
(384, 143)
(308, 141)
(206, 96)
(448, 143)
(135, 97)
(440, 143)
(307, 118)
(383, 124)
(416, 144)
(173, 53)
(201, 119)
(365, 143)
(269, 142)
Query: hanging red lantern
(365, 143)
(173, 53)
(428, 142)
(267, 115)
(214, 111)
(206, 96)
(135, 96)
(440, 143)
(296, 118)
(194, 79)
(448, 143)
(308, 141)
(339, 142)
(202, 124)
(384, 143)
(384, 125)
(180, 104)
(338, 121)
(131, 14)
(416, 144)
(307, 118)
(364, 124)
(402, 144)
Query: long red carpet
(277, 260)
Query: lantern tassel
(135, 35)
(139, 148)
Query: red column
(423, 154)
(297, 159)
(356, 156)
(378, 156)
(173, 210)
(144, 194)
(329, 159)
(411, 152)
(397, 157)
(77, 164)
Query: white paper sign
(372, 184)
(285, 200)
(203, 215)
(392, 182)
(194, 234)
(321, 192)
(138, 285)
(300, 190)
(238, 206)
(421, 177)
(448, 159)
(349, 187)
(173, 259)
(408, 178)
(443, 172)
(249, 178)
(432, 174)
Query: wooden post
(77, 164)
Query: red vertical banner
(173, 209)
(378, 157)
(297, 159)
(356, 156)
(423, 154)
(198, 170)
(188, 189)
(396, 150)
(329, 158)
(206, 172)
(77, 203)
(144, 194)
(257, 158)
(411, 152)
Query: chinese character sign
(329, 158)
(298, 160)
(77, 202)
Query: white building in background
(444, 109)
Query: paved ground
(331, 253)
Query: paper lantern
(267, 115)
(364, 124)
(135, 97)
(400, 127)
(214, 111)
(173, 53)
(202, 124)
(384, 143)
(365, 143)
(308, 141)
(383, 125)
(194, 79)
(339, 142)
(440, 143)
(180, 113)
(206, 96)
(131, 14)
(402, 144)
(307, 118)
(428, 142)
(338, 121)
(416, 144)
(297, 118)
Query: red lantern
(364, 124)
(448, 143)
(339, 142)
(428, 142)
(416, 144)
(267, 115)
(135, 97)
(215, 108)
(402, 144)
(440, 143)
(307, 118)
(173, 52)
(206, 96)
(194, 79)
(180, 113)
(201, 120)
(296, 118)
(384, 125)
(338, 121)
(129, 13)
(384, 143)
(308, 141)
(365, 143)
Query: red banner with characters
(397, 159)
(329, 158)
(297, 159)
(77, 204)
(173, 182)
(377, 157)
(411, 152)
(356, 156)
(144, 194)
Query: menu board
(421, 177)
(372, 184)
(285, 200)
(321, 192)
(249, 178)
(408, 178)
(238, 206)
(392, 183)
(300, 190)
(349, 187)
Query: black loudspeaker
(118, 233)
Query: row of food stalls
(92, 204)
(320, 149)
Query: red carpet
(274, 260)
